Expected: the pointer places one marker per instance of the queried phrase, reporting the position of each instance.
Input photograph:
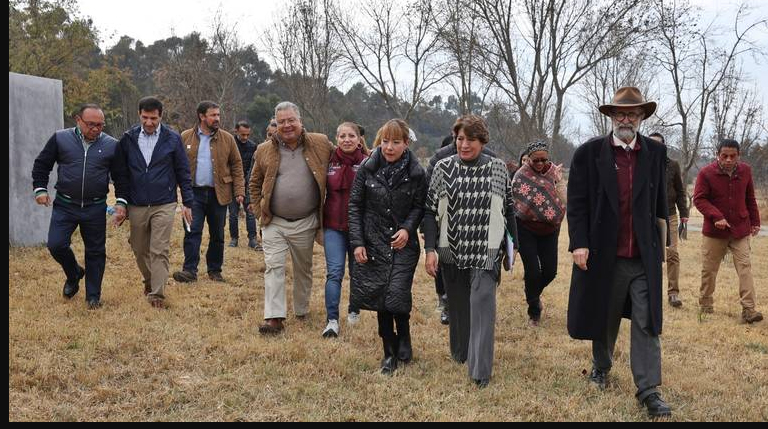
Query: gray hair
(287, 105)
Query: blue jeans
(250, 220)
(337, 248)
(205, 206)
(92, 221)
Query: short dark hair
(150, 104)
(474, 128)
(242, 124)
(203, 107)
(728, 143)
(663, 140)
(87, 106)
(448, 141)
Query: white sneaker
(332, 329)
(353, 318)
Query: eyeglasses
(632, 116)
(94, 125)
(539, 160)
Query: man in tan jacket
(287, 190)
(217, 176)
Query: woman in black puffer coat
(385, 208)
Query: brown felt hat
(629, 96)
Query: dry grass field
(203, 359)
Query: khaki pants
(712, 252)
(150, 240)
(673, 257)
(278, 238)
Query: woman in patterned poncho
(540, 208)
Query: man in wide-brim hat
(616, 203)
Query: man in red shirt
(725, 195)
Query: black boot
(389, 363)
(404, 350)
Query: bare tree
(460, 43)
(737, 112)
(392, 47)
(306, 50)
(698, 67)
(549, 47)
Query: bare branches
(392, 47)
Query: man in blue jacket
(150, 164)
(85, 156)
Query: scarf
(392, 173)
(347, 161)
(536, 197)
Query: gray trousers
(629, 280)
(472, 294)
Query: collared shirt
(147, 143)
(86, 144)
(619, 143)
(204, 171)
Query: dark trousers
(250, 220)
(472, 310)
(539, 255)
(630, 282)
(93, 229)
(439, 285)
(205, 206)
(388, 321)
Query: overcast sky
(151, 20)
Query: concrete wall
(35, 111)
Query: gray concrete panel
(35, 112)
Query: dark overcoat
(593, 223)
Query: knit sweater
(469, 205)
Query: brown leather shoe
(674, 301)
(272, 327)
(147, 288)
(751, 316)
(158, 304)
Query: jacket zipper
(85, 162)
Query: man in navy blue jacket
(85, 156)
(150, 164)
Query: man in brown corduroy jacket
(217, 178)
(287, 190)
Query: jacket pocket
(227, 179)
(744, 214)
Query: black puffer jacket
(376, 213)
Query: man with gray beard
(617, 204)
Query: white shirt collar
(618, 143)
(157, 131)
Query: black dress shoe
(482, 383)
(94, 304)
(656, 406)
(599, 378)
(216, 276)
(71, 288)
